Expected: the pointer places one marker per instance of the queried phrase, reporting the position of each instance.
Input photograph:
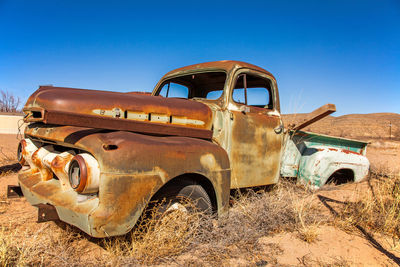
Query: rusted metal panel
(313, 158)
(46, 213)
(153, 162)
(69, 208)
(55, 104)
(130, 174)
(316, 115)
(253, 144)
(249, 136)
(316, 167)
(227, 65)
(72, 119)
(255, 149)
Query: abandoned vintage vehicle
(94, 159)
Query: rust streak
(350, 152)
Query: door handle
(244, 109)
(279, 129)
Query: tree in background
(8, 102)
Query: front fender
(138, 165)
(318, 163)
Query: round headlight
(84, 173)
(77, 173)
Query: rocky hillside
(360, 126)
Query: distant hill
(359, 126)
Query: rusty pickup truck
(95, 159)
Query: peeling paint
(314, 158)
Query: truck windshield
(207, 85)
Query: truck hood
(135, 112)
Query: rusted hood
(119, 111)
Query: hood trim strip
(92, 121)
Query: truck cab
(244, 100)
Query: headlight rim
(83, 174)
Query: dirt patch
(333, 246)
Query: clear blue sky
(342, 52)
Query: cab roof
(226, 65)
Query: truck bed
(313, 158)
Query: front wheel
(186, 196)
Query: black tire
(192, 194)
(188, 193)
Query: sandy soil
(8, 146)
(332, 246)
(384, 156)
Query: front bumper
(70, 208)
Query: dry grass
(306, 260)
(168, 238)
(156, 237)
(253, 215)
(378, 210)
(6, 158)
(8, 252)
(8, 163)
(307, 219)
(199, 239)
(41, 248)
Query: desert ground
(355, 224)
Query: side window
(258, 97)
(174, 90)
(253, 91)
(212, 95)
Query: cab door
(256, 130)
